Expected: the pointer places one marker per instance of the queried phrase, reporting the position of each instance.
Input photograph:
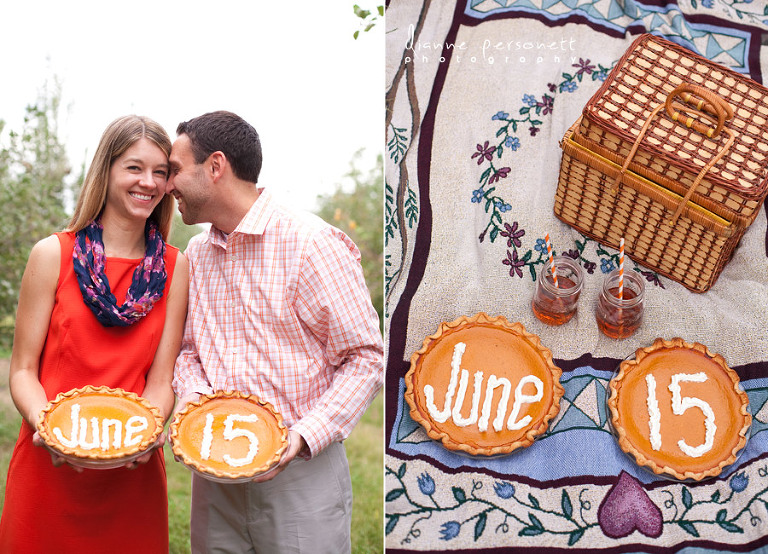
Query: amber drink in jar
(619, 318)
(556, 304)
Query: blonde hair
(118, 137)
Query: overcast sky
(291, 69)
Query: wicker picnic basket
(671, 153)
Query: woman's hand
(144, 458)
(56, 460)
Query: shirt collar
(254, 222)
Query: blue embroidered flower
(739, 482)
(502, 206)
(606, 265)
(529, 100)
(540, 246)
(504, 490)
(426, 484)
(450, 530)
(512, 143)
(477, 195)
(708, 3)
(601, 75)
(569, 86)
(500, 116)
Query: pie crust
(99, 425)
(229, 436)
(700, 420)
(497, 357)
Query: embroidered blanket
(479, 94)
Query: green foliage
(179, 503)
(360, 214)
(368, 19)
(10, 421)
(181, 232)
(33, 194)
(365, 451)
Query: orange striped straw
(621, 269)
(551, 259)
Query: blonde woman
(101, 303)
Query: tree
(33, 195)
(368, 18)
(181, 232)
(360, 214)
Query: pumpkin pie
(229, 436)
(483, 385)
(678, 410)
(99, 426)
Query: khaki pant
(305, 509)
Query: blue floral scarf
(148, 279)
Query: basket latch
(699, 103)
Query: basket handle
(702, 174)
(706, 103)
(703, 100)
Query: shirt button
(233, 257)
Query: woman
(120, 223)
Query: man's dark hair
(229, 133)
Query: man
(278, 308)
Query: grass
(10, 420)
(365, 450)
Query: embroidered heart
(626, 508)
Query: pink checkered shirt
(279, 308)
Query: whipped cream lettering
(452, 409)
(100, 432)
(680, 404)
(230, 433)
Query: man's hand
(186, 399)
(296, 444)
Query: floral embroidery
(755, 16)
(532, 109)
(517, 260)
(478, 507)
(484, 152)
(397, 147)
(609, 260)
(487, 155)
(502, 507)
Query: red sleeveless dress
(51, 509)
